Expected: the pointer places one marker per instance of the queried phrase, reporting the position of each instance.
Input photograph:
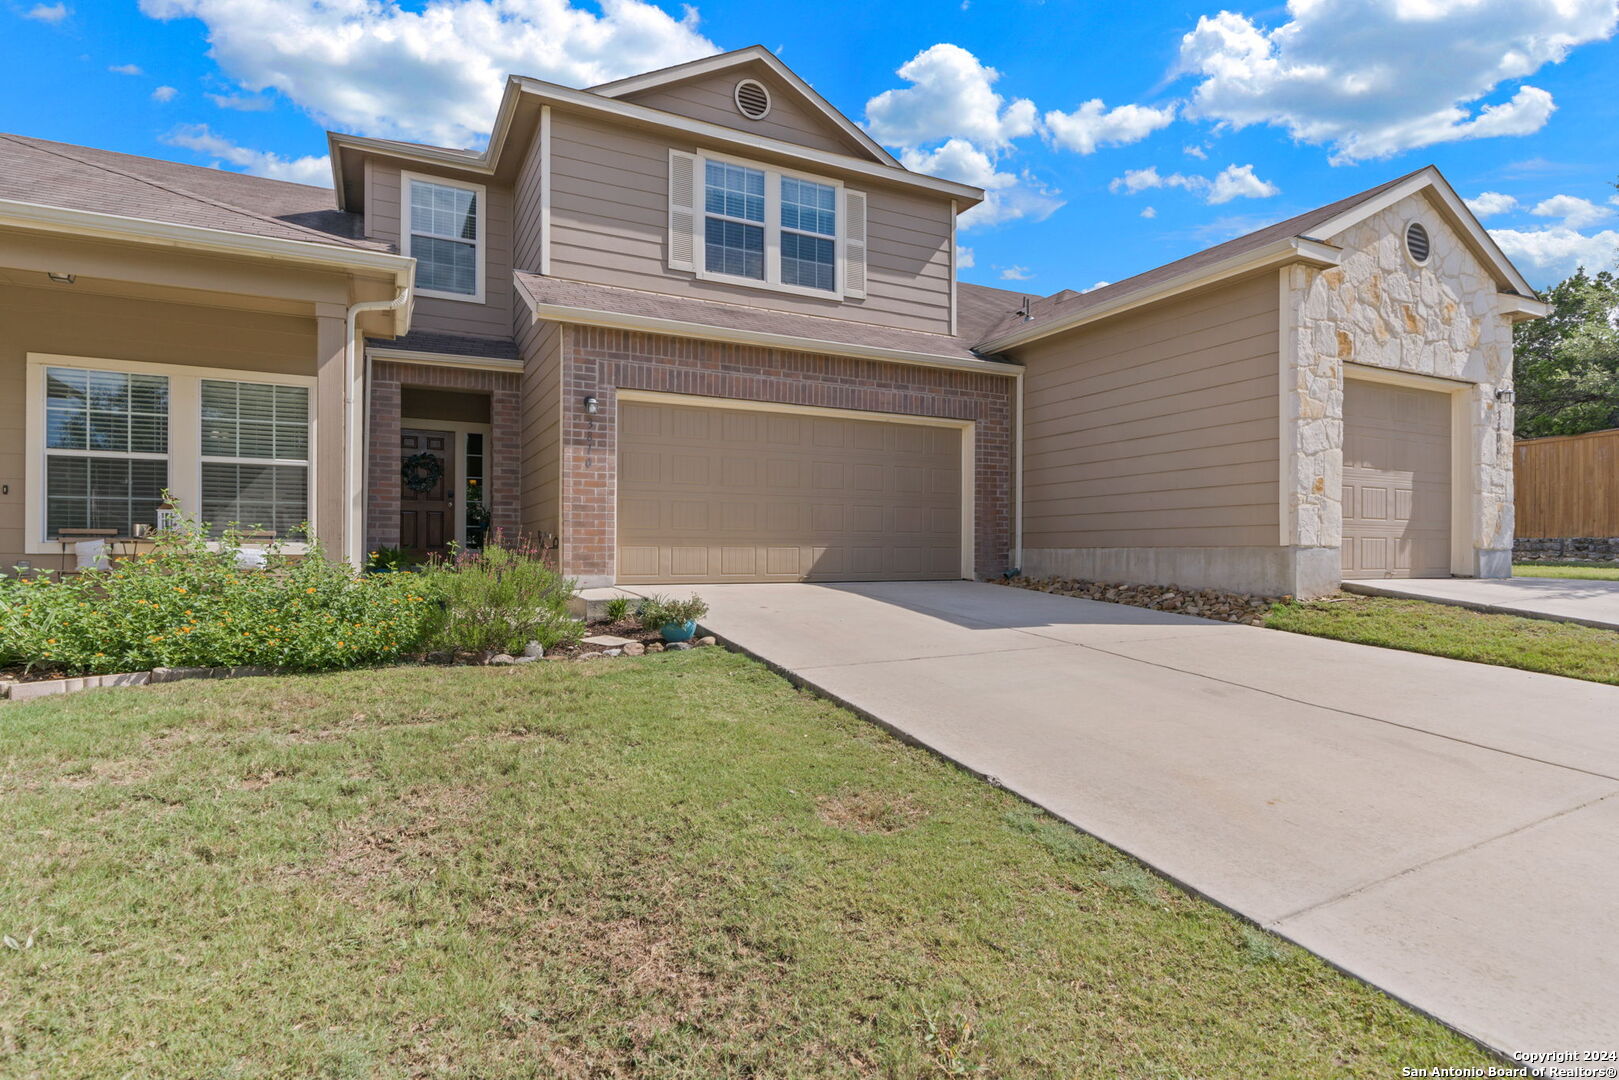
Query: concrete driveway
(1594, 603)
(1443, 830)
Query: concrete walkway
(1443, 830)
(1594, 603)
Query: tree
(1566, 365)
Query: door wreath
(422, 472)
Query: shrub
(618, 609)
(660, 611)
(188, 604)
(499, 598)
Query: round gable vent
(1416, 243)
(752, 99)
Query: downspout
(354, 456)
(1017, 477)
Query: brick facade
(598, 362)
(502, 475)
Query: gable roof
(45, 173)
(741, 58)
(1301, 238)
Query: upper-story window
(751, 224)
(443, 231)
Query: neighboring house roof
(741, 58)
(1301, 238)
(679, 316)
(48, 173)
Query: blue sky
(1113, 137)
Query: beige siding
(610, 220)
(492, 318)
(526, 213)
(541, 436)
(73, 323)
(790, 119)
(1157, 429)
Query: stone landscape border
(28, 691)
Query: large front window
(114, 436)
(765, 226)
(443, 234)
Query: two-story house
(697, 326)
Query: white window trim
(185, 435)
(774, 175)
(480, 241)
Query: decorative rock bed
(1203, 603)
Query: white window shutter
(682, 210)
(854, 243)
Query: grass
(1585, 571)
(675, 866)
(1555, 648)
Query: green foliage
(618, 609)
(188, 604)
(1566, 366)
(660, 611)
(388, 560)
(499, 598)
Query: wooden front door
(426, 516)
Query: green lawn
(1579, 652)
(1586, 571)
(675, 867)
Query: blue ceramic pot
(677, 631)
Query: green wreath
(422, 472)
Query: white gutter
(1289, 250)
(354, 457)
(1017, 477)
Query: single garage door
(1396, 481)
(711, 494)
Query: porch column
(331, 437)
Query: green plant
(386, 560)
(187, 603)
(499, 598)
(618, 609)
(660, 611)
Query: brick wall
(502, 473)
(598, 362)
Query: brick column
(382, 460)
(589, 474)
(503, 463)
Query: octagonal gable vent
(752, 99)
(1416, 243)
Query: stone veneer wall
(599, 362)
(1378, 308)
(382, 462)
(1580, 548)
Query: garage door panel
(1396, 482)
(740, 495)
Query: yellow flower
(50, 641)
(310, 589)
(179, 588)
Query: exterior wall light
(1506, 396)
(591, 405)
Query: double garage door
(717, 494)
(1396, 481)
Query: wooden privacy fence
(1568, 485)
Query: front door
(426, 492)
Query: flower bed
(1203, 603)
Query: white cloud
(1233, 182)
(1098, 285)
(951, 96)
(242, 102)
(1008, 196)
(1195, 151)
(1239, 182)
(1375, 77)
(964, 258)
(1488, 203)
(304, 170)
(434, 74)
(49, 13)
(1015, 273)
(165, 93)
(125, 69)
(1576, 212)
(1149, 212)
(1093, 124)
(1548, 255)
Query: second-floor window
(443, 232)
(769, 227)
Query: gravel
(1204, 603)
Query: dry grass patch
(868, 812)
